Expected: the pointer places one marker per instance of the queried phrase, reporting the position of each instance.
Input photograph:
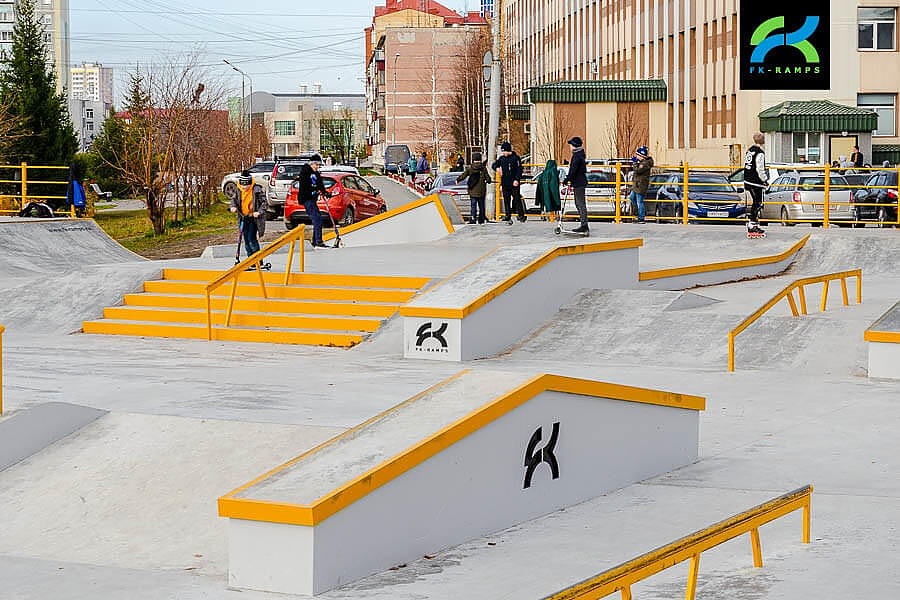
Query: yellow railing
(621, 578)
(233, 274)
(837, 204)
(788, 293)
(2, 329)
(21, 181)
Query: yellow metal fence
(788, 293)
(621, 578)
(15, 181)
(2, 329)
(819, 195)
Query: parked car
(352, 199)
(260, 172)
(445, 183)
(800, 196)
(877, 201)
(710, 196)
(340, 168)
(395, 158)
(528, 188)
(600, 196)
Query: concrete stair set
(313, 308)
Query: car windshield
(261, 168)
(448, 180)
(711, 183)
(818, 183)
(288, 171)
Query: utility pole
(494, 112)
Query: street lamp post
(250, 119)
(394, 118)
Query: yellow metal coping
(2, 329)
(887, 337)
(329, 235)
(503, 286)
(622, 577)
(723, 266)
(338, 499)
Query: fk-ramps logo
(535, 457)
(785, 47)
(427, 332)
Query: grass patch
(134, 231)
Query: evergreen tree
(28, 90)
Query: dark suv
(878, 200)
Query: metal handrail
(622, 577)
(291, 237)
(787, 293)
(2, 329)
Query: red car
(352, 199)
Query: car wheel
(785, 217)
(289, 225)
(271, 215)
(349, 217)
(657, 212)
(383, 209)
(230, 190)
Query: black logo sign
(785, 46)
(425, 332)
(534, 457)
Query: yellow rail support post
(618, 192)
(684, 199)
(690, 547)
(24, 174)
(2, 329)
(827, 198)
(787, 293)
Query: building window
(884, 106)
(89, 113)
(285, 128)
(807, 147)
(876, 28)
(335, 134)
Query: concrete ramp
(875, 251)
(39, 247)
(30, 431)
(477, 453)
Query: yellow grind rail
(21, 180)
(620, 188)
(621, 578)
(233, 274)
(2, 329)
(788, 293)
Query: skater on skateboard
(577, 178)
(250, 205)
(643, 165)
(311, 187)
(756, 180)
(510, 166)
(477, 182)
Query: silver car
(260, 172)
(284, 173)
(800, 197)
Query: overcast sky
(279, 44)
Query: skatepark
(145, 466)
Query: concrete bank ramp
(30, 431)
(477, 453)
(875, 251)
(39, 247)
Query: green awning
(885, 152)
(519, 112)
(609, 90)
(817, 115)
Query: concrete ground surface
(125, 508)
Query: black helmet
(316, 158)
(245, 178)
(575, 142)
(505, 147)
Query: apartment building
(693, 47)
(54, 14)
(414, 49)
(93, 82)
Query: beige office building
(54, 14)
(693, 47)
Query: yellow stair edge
(317, 279)
(282, 292)
(355, 309)
(241, 319)
(272, 336)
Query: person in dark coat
(477, 179)
(547, 193)
(250, 205)
(643, 164)
(577, 178)
(510, 166)
(460, 165)
(311, 187)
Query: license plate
(818, 207)
(717, 214)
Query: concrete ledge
(475, 454)
(30, 431)
(883, 339)
(682, 278)
(490, 304)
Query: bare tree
(466, 117)
(337, 131)
(628, 131)
(550, 132)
